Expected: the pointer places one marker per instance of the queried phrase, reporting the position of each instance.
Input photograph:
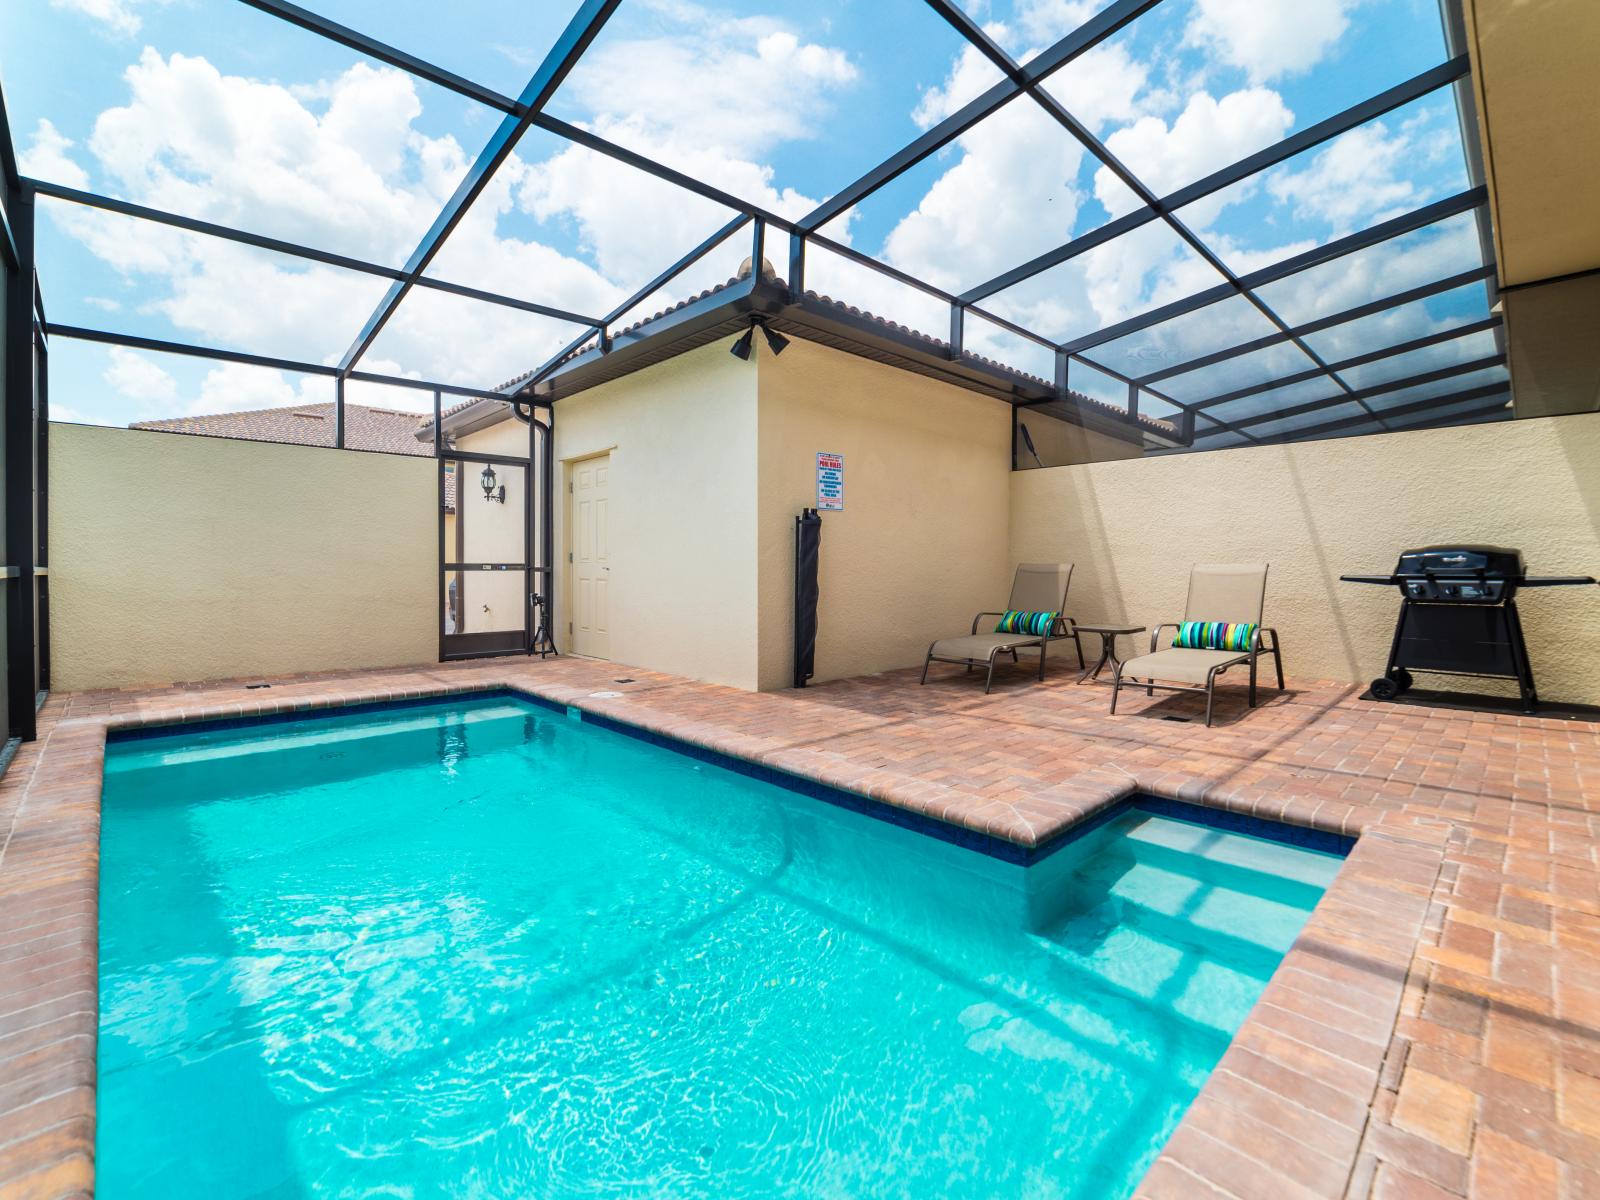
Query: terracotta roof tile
(365, 428)
(1152, 423)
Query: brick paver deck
(1434, 1032)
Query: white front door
(591, 557)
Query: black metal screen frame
(1021, 82)
(1196, 421)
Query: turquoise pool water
(481, 948)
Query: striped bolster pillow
(1215, 635)
(1037, 623)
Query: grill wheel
(1387, 687)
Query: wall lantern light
(490, 490)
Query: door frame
(570, 515)
(537, 566)
(456, 646)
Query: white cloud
(1268, 38)
(1012, 195)
(1353, 182)
(118, 16)
(341, 163)
(134, 377)
(1047, 21)
(970, 75)
(1014, 192)
(236, 387)
(255, 155)
(740, 85)
(1207, 135)
(1422, 257)
(46, 158)
(1374, 172)
(608, 201)
(710, 96)
(1102, 85)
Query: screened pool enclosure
(1121, 216)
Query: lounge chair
(1228, 597)
(1037, 588)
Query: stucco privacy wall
(1321, 509)
(682, 438)
(920, 545)
(177, 558)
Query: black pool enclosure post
(807, 550)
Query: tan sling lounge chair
(1233, 593)
(1038, 587)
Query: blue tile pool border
(134, 733)
(1300, 836)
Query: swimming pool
(480, 948)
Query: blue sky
(211, 108)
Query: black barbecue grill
(1458, 616)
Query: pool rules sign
(830, 480)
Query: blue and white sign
(830, 480)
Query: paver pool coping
(1296, 1107)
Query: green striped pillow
(1215, 635)
(1037, 623)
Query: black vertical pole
(439, 514)
(41, 574)
(797, 264)
(21, 452)
(530, 482)
(807, 552)
(549, 517)
(338, 412)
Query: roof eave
(708, 319)
(728, 311)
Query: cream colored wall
(682, 439)
(1321, 509)
(920, 545)
(176, 558)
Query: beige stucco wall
(920, 544)
(682, 439)
(176, 558)
(1317, 510)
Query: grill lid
(1495, 562)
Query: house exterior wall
(1320, 509)
(177, 558)
(920, 545)
(682, 439)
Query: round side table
(1108, 648)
